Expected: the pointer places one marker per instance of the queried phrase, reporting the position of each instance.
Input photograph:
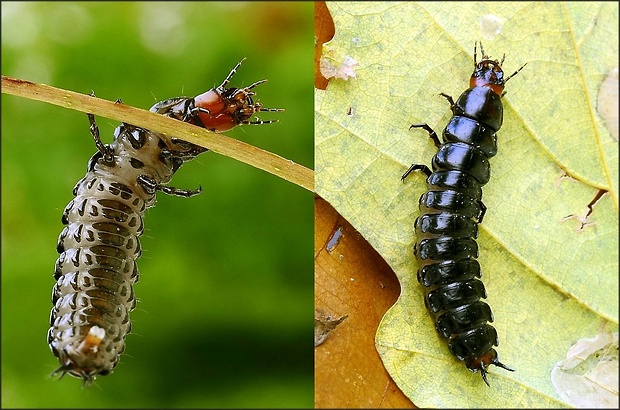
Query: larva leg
(450, 100)
(94, 131)
(190, 150)
(483, 211)
(192, 113)
(431, 133)
(420, 167)
(417, 167)
(151, 186)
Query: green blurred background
(225, 312)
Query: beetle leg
(151, 186)
(483, 211)
(105, 150)
(417, 167)
(432, 134)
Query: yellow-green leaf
(550, 268)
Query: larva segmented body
(98, 248)
(452, 207)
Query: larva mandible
(452, 208)
(98, 247)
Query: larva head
(221, 108)
(488, 73)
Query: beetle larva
(452, 208)
(99, 246)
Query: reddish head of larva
(217, 114)
(224, 109)
(488, 73)
(221, 109)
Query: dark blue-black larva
(452, 207)
(98, 248)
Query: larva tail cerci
(98, 248)
(452, 208)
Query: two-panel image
(309, 204)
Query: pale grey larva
(98, 247)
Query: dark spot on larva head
(161, 144)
